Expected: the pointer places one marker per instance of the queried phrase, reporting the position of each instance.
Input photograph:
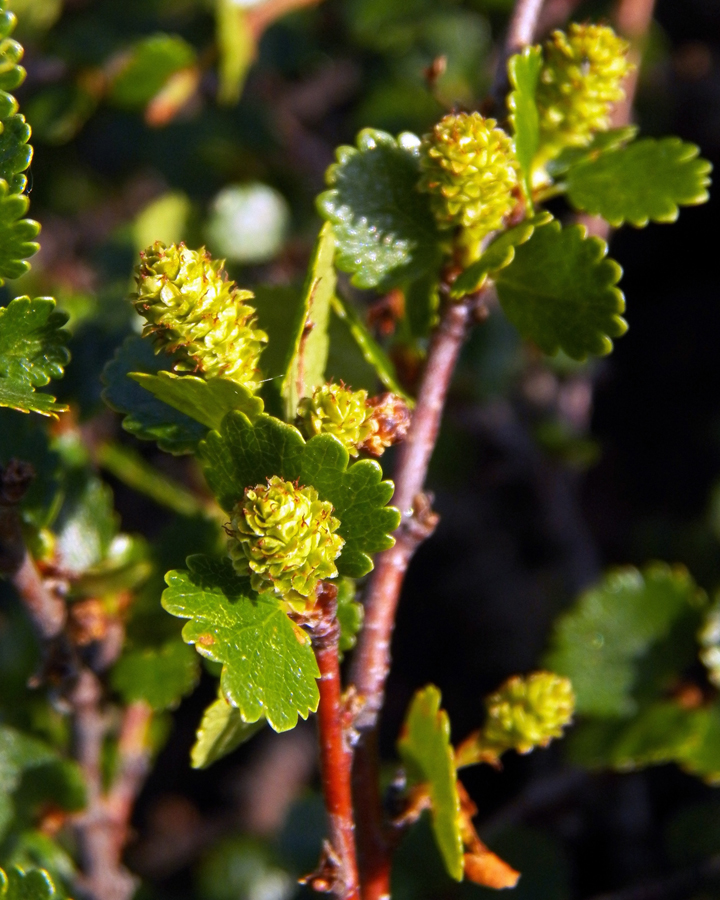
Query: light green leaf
(17, 235)
(308, 357)
(206, 401)
(145, 416)
(428, 756)
(35, 884)
(15, 152)
(350, 614)
(269, 668)
(384, 227)
(560, 292)
(159, 676)
(221, 731)
(524, 72)
(146, 67)
(646, 181)
(632, 621)
(602, 141)
(372, 352)
(12, 74)
(499, 254)
(244, 454)
(236, 48)
(32, 351)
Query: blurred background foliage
(210, 122)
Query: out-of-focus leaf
(372, 352)
(164, 219)
(499, 254)
(646, 181)
(145, 416)
(350, 614)
(32, 351)
(560, 292)
(269, 668)
(32, 849)
(159, 676)
(86, 523)
(172, 97)
(425, 749)
(248, 223)
(241, 866)
(524, 72)
(384, 228)
(145, 68)
(600, 643)
(15, 152)
(306, 366)
(221, 731)
(35, 884)
(236, 48)
(244, 454)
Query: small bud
(579, 83)
(194, 312)
(283, 537)
(391, 418)
(337, 410)
(528, 712)
(470, 171)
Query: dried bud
(283, 537)
(337, 410)
(391, 418)
(470, 171)
(528, 712)
(195, 313)
(580, 81)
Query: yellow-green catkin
(580, 81)
(470, 170)
(196, 314)
(337, 410)
(528, 712)
(283, 537)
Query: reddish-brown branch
(132, 767)
(335, 756)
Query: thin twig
(260, 17)
(339, 872)
(132, 767)
(520, 33)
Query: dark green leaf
(308, 357)
(221, 731)
(35, 884)
(560, 292)
(269, 668)
(87, 522)
(145, 416)
(646, 181)
(427, 753)
(15, 152)
(205, 401)
(146, 68)
(17, 235)
(32, 351)
(524, 72)
(499, 254)
(159, 676)
(244, 454)
(602, 141)
(385, 230)
(600, 643)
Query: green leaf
(602, 641)
(427, 753)
(32, 351)
(221, 731)
(372, 352)
(236, 48)
(603, 140)
(159, 676)
(350, 614)
(15, 152)
(308, 357)
(146, 68)
(524, 73)
(12, 75)
(145, 416)
(499, 254)
(17, 235)
(207, 402)
(35, 884)
(86, 523)
(560, 292)
(244, 454)
(269, 668)
(646, 181)
(384, 227)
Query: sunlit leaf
(34, 884)
(17, 235)
(221, 731)
(524, 72)
(236, 48)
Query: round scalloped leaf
(35, 884)
(269, 667)
(17, 235)
(243, 454)
(159, 676)
(559, 291)
(384, 227)
(15, 152)
(644, 182)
